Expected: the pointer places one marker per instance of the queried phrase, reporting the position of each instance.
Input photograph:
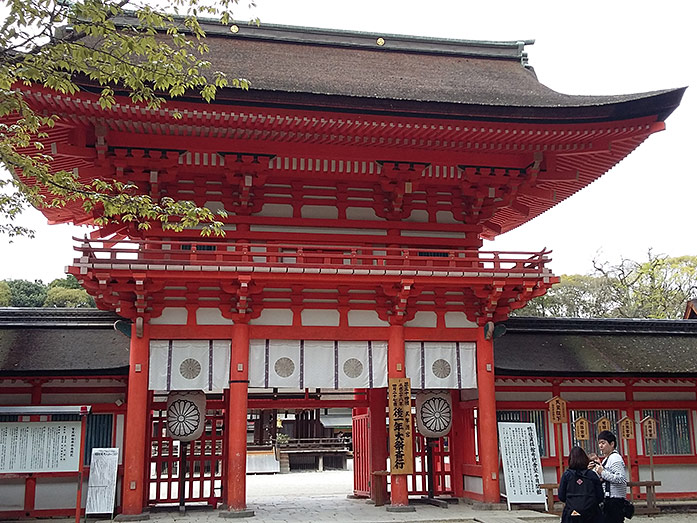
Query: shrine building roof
(408, 74)
(597, 347)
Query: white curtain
(312, 364)
(189, 365)
(441, 364)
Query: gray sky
(589, 47)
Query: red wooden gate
(361, 455)
(203, 465)
(442, 475)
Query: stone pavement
(311, 497)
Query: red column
(396, 369)
(632, 452)
(236, 488)
(135, 452)
(457, 441)
(488, 437)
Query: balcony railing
(163, 255)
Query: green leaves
(52, 43)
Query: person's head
(578, 459)
(607, 442)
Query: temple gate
(355, 218)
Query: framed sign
(401, 451)
(522, 467)
(603, 424)
(649, 428)
(40, 446)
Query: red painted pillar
(488, 436)
(135, 451)
(457, 440)
(632, 452)
(236, 489)
(396, 369)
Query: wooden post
(648, 425)
(488, 436)
(558, 414)
(236, 488)
(135, 449)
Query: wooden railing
(649, 508)
(170, 255)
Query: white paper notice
(40, 446)
(101, 490)
(522, 467)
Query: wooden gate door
(442, 475)
(361, 455)
(202, 465)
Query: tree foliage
(62, 292)
(656, 288)
(53, 43)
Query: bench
(650, 486)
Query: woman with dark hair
(580, 490)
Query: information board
(522, 467)
(101, 489)
(401, 452)
(40, 446)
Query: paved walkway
(315, 497)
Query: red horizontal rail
(211, 253)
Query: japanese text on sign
(603, 424)
(522, 467)
(401, 453)
(649, 426)
(557, 410)
(627, 428)
(582, 429)
(40, 446)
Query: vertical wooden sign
(558, 415)
(603, 424)
(627, 428)
(582, 429)
(650, 431)
(401, 451)
(557, 410)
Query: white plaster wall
(317, 230)
(433, 234)
(15, 399)
(283, 317)
(549, 474)
(86, 399)
(325, 212)
(362, 213)
(11, 494)
(211, 316)
(365, 319)
(669, 396)
(214, 205)
(592, 396)
(320, 318)
(423, 319)
(474, 484)
(171, 316)
(445, 217)
(673, 478)
(120, 421)
(58, 493)
(522, 396)
(455, 320)
(418, 216)
(276, 210)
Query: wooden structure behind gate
(204, 469)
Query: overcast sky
(590, 47)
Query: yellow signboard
(557, 410)
(582, 429)
(627, 428)
(648, 425)
(603, 424)
(401, 451)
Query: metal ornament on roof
(434, 413)
(186, 414)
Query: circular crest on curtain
(434, 413)
(186, 414)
